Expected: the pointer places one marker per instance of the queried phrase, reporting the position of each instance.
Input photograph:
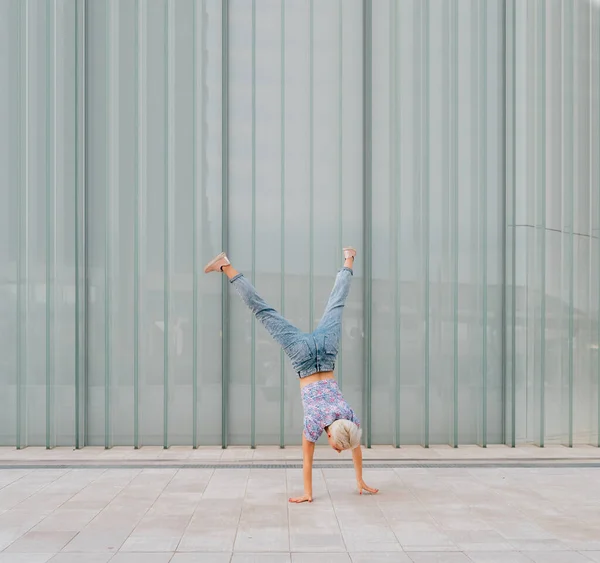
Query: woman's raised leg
(331, 321)
(281, 330)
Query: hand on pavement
(362, 486)
(303, 498)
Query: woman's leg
(331, 322)
(279, 328)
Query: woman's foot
(217, 263)
(349, 252)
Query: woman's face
(332, 443)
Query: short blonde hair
(345, 434)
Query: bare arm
(357, 459)
(308, 450)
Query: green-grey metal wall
(455, 143)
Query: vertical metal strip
(574, 185)
(23, 215)
(474, 218)
(139, 81)
(367, 202)
(591, 210)
(483, 211)
(513, 184)
(142, 172)
(503, 190)
(282, 236)
(340, 366)
(79, 232)
(395, 187)
(195, 272)
(541, 175)
(253, 320)
(597, 50)
(51, 164)
(224, 217)
(84, 393)
(453, 145)
(568, 185)
(426, 207)
(311, 223)
(110, 173)
(169, 187)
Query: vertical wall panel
(595, 187)
(242, 190)
(349, 199)
(209, 159)
(11, 70)
(267, 207)
(65, 156)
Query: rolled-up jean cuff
(237, 276)
(349, 269)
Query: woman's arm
(308, 450)
(357, 459)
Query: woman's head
(343, 435)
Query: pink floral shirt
(323, 404)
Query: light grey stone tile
(321, 558)
(164, 524)
(482, 540)
(389, 557)
(413, 534)
(145, 557)
(150, 544)
(66, 520)
(370, 538)
(438, 557)
(520, 529)
(41, 542)
(557, 557)
(592, 555)
(97, 541)
(201, 558)
(584, 545)
(497, 557)
(314, 542)
(539, 545)
(262, 538)
(25, 557)
(209, 539)
(81, 558)
(261, 558)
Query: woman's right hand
(303, 498)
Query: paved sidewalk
(272, 454)
(122, 508)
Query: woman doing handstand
(313, 357)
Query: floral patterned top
(323, 404)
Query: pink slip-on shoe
(349, 252)
(217, 263)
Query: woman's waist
(319, 376)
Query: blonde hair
(345, 434)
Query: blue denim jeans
(308, 352)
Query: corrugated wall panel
(455, 144)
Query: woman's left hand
(362, 486)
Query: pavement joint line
(529, 464)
